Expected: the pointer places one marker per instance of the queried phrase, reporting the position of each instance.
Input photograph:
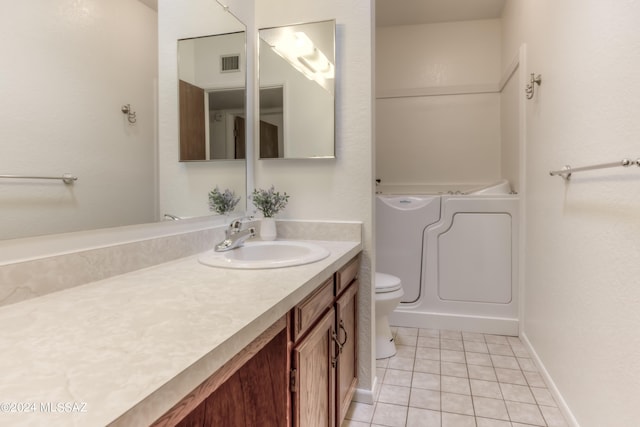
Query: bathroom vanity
(301, 371)
(167, 342)
(324, 355)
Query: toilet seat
(386, 283)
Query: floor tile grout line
(466, 366)
(460, 337)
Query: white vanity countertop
(124, 350)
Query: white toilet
(388, 295)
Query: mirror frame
(286, 104)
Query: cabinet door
(256, 395)
(313, 384)
(347, 331)
(195, 417)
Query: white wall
(339, 189)
(199, 60)
(184, 187)
(510, 100)
(67, 69)
(438, 138)
(582, 294)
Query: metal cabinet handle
(346, 336)
(334, 359)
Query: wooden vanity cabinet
(301, 371)
(256, 394)
(313, 375)
(347, 374)
(251, 390)
(324, 353)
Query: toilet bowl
(388, 295)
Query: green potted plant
(222, 202)
(269, 202)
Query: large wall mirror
(60, 112)
(73, 123)
(297, 91)
(212, 85)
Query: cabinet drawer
(347, 274)
(308, 311)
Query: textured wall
(184, 186)
(445, 138)
(438, 139)
(582, 292)
(340, 189)
(510, 129)
(67, 69)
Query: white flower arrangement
(222, 203)
(269, 202)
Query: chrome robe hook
(530, 89)
(131, 115)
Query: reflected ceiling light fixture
(314, 59)
(298, 49)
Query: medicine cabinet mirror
(211, 87)
(297, 91)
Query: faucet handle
(236, 224)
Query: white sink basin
(259, 255)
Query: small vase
(268, 229)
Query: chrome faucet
(171, 217)
(235, 236)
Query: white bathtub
(456, 255)
(497, 187)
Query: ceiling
(410, 12)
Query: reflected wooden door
(268, 141)
(240, 140)
(192, 131)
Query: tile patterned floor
(457, 379)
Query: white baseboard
(458, 322)
(562, 404)
(364, 395)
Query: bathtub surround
(453, 137)
(502, 186)
(449, 111)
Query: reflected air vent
(229, 63)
